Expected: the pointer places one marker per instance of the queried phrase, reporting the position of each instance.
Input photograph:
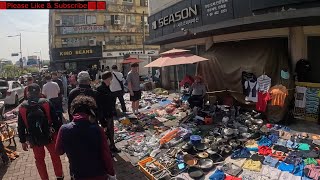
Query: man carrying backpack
(37, 126)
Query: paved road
(24, 167)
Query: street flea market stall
(235, 134)
(170, 141)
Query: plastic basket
(142, 167)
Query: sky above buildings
(33, 26)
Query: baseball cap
(83, 76)
(34, 88)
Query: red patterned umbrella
(131, 60)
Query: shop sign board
(77, 53)
(188, 14)
(216, 11)
(180, 17)
(82, 29)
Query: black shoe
(114, 149)
(60, 178)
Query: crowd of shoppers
(91, 127)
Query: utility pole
(20, 46)
(144, 34)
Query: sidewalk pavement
(24, 168)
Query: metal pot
(205, 164)
(248, 122)
(258, 122)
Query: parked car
(11, 92)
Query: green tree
(12, 71)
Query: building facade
(81, 38)
(213, 28)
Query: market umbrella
(131, 60)
(175, 57)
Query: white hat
(83, 76)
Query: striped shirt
(264, 83)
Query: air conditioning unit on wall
(92, 42)
(117, 22)
(58, 22)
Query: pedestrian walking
(56, 79)
(65, 85)
(133, 80)
(29, 81)
(52, 91)
(105, 100)
(117, 87)
(85, 143)
(37, 124)
(83, 88)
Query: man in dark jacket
(39, 132)
(83, 88)
(107, 110)
(85, 143)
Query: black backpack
(38, 125)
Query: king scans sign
(179, 18)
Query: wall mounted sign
(181, 17)
(76, 53)
(189, 14)
(82, 29)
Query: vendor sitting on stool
(198, 90)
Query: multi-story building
(232, 33)
(81, 38)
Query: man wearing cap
(83, 88)
(39, 132)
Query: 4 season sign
(180, 18)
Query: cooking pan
(195, 172)
(203, 155)
(190, 160)
(187, 147)
(205, 164)
(201, 147)
(216, 158)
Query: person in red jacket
(85, 143)
(37, 124)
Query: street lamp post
(41, 60)
(20, 46)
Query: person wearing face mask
(198, 90)
(80, 138)
(105, 100)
